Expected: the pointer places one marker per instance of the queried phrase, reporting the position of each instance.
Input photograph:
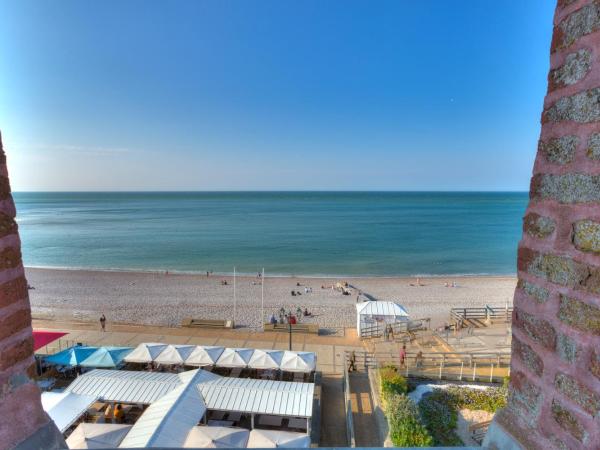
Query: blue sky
(276, 95)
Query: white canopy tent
(216, 437)
(145, 353)
(266, 359)
(167, 421)
(204, 355)
(174, 354)
(305, 362)
(275, 438)
(64, 408)
(97, 435)
(235, 357)
(372, 312)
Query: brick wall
(19, 396)
(554, 396)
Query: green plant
(505, 382)
(440, 418)
(489, 400)
(406, 427)
(391, 382)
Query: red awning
(41, 338)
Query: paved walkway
(329, 349)
(333, 418)
(366, 431)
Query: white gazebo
(204, 355)
(266, 359)
(174, 354)
(276, 438)
(372, 313)
(235, 357)
(97, 435)
(216, 437)
(145, 353)
(303, 362)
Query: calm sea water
(302, 233)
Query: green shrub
(505, 382)
(406, 427)
(391, 382)
(488, 400)
(440, 418)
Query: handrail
(348, 405)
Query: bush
(406, 427)
(391, 382)
(440, 418)
(488, 400)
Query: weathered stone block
(10, 258)
(15, 322)
(538, 226)
(13, 291)
(578, 393)
(4, 188)
(583, 107)
(567, 348)
(560, 150)
(579, 315)
(524, 398)
(568, 421)
(595, 363)
(559, 269)
(569, 188)
(528, 356)
(540, 330)
(538, 293)
(586, 236)
(593, 147)
(16, 353)
(584, 21)
(575, 68)
(7, 225)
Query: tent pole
(234, 299)
(262, 301)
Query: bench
(206, 323)
(296, 327)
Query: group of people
(288, 317)
(114, 414)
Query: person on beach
(273, 319)
(402, 355)
(419, 360)
(352, 364)
(119, 414)
(103, 322)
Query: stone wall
(24, 422)
(554, 396)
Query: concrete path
(366, 432)
(333, 419)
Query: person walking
(352, 364)
(403, 355)
(103, 322)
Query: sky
(272, 95)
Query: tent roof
(298, 362)
(378, 308)
(97, 435)
(204, 355)
(64, 408)
(235, 357)
(276, 438)
(42, 338)
(106, 357)
(167, 421)
(130, 386)
(174, 354)
(71, 356)
(266, 359)
(217, 437)
(145, 352)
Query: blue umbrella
(106, 357)
(72, 356)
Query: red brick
(541, 331)
(595, 363)
(578, 393)
(568, 421)
(10, 258)
(15, 322)
(524, 398)
(16, 353)
(528, 356)
(13, 291)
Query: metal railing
(481, 315)
(350, 438)
(58, 345)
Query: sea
(287, 233)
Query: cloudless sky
(277, 95)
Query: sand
(159, 299)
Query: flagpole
(262, 299)
(234, 299)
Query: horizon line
(237, 191)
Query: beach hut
(266, 359)
(235, 357)
(145, 353)
(72, 356)
(374, 314)
(216, 437)
(64, 408)
(106, 357)
(305, 362)
(97, 435)
(174, 354)
(204, 355)
(276, 438)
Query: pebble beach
(166, 299)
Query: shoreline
(268, 274)
(154, 298)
